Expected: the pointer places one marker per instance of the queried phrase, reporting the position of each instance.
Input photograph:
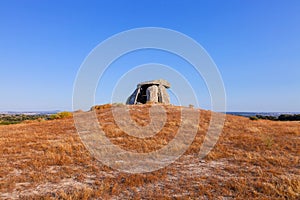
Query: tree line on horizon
(6, 119)
(282, 117)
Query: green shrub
(60, 115)
(253, 118)
(54, 116)
(8, 122)
(266, 117)
(288, 117)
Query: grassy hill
(252, 160)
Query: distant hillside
(16, 117)
(29, 112)
(249, 114)
(275, 116)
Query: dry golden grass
(252, 160)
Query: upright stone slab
(131, 99)
(150, 91)
(165, 99)
(152, 94)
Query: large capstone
(150, 91)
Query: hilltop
(252, 159)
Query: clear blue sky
(255, 44)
